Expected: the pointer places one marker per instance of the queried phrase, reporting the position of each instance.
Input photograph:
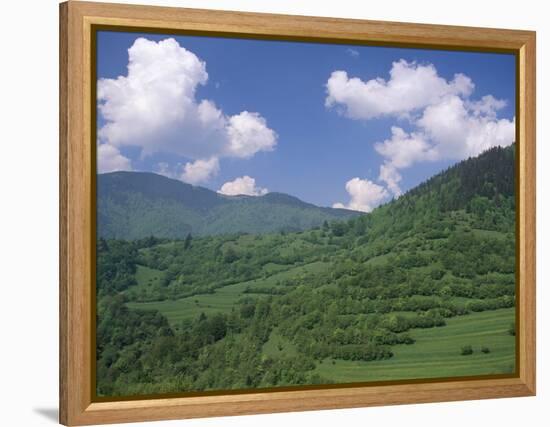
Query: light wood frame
(77, 218)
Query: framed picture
(265, 213)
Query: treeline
(490, 175)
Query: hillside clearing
(436, 352)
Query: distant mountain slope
(132, 205)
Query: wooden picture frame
(78, 405)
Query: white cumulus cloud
(452, 129)
(244, 185)
(401, 151)
(391, 177)
(248, 134)
(200, 170)
(109, 159)
(404, 149)
(411, 87)
(164, 168)
(488, 105)
(154, 107)
(458, 129)
(364, 195)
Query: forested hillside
(134, 205)
(423, 286)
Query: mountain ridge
(133, 205)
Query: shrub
(485, 350)
(466, 350)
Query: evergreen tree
(187, 242)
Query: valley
(421, 287)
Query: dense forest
(135, 205)
(337, 302)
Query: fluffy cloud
(391, 177)
(248, 134)
(200, 170)
(194, 173)
(487, 105)
(364, 195)
(446, 124)
(459, 129)
(109, 159)
(410, 87)
(452, 129)
(154, 107)
(164, 168)
(404, 149)
(401, 151)
(244, 185)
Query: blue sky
(320, 136)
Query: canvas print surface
(282, 214)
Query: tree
(230, 256)
(187, 242)
(247, 310)
(102, 245)
(217, 327)
(445, 292)
(339, 228)
(466, 350)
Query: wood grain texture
(313, 28)
(64, 349)
(75, 238)
(76, 219)
(527, 217)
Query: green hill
(133, 205)
(423, 286)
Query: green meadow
(223, 299)
(437, 352)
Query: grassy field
(436, 352)
(223, 299)
(146, 276)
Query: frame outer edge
(63, 207)
(74, 392)
(528, 131)
(76, 407)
